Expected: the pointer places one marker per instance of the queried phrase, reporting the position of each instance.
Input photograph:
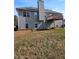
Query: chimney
(41, 11)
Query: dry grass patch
(48, 44)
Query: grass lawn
(47, 44)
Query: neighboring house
(63, 23)
(15, 22)
(38, 18)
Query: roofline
(36, 9)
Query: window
(24, 14)
(26, 25)
(36, 25)
(28, 14)
(35, 13)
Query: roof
(54, 14)
(35, 9)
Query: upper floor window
(35, 13)
(28, 15)
(24, 14)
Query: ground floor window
(26, 25)
(36, 25)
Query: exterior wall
(58, 23)
(46, 25)
(31, 25)
(21, 23)
(33, 19)
(51, 25)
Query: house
(15, 23)
(38, 18)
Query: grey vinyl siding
(34, 19)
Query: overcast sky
(56, 5)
